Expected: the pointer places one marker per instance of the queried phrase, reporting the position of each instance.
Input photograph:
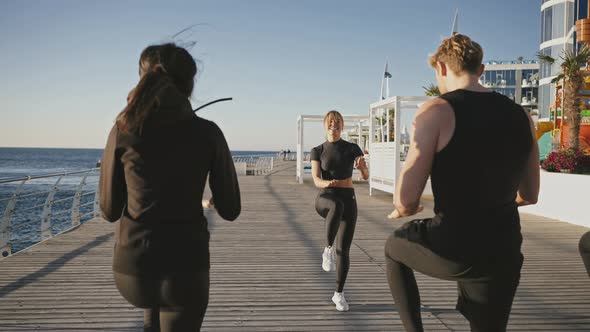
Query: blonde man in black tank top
(474, 237)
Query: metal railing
(256, 164)
(291, 156)
(41, 206)
(52, 203)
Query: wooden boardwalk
(266, 273)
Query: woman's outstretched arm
(223, 179)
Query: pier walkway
(266, 273)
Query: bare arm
(361, 165)
(418, 164)
(316, 173)
(528, 190)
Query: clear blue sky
(67, 66)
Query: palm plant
(382, 122)
(431, 90)
(571, 74)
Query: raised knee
(390, 245)
(584, 244)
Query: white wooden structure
(304, 167)
(386, 154)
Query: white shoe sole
(339, 308)
(328, 267)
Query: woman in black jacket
(153, 173)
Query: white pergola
(385, 152)
(301, 119)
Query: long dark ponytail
(160, 67)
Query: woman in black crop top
(331, 165)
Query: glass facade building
(558, 19)
(518, 80)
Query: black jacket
(153, 184)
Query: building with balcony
(558, 19)
(518, 80)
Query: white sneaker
(328, 261)
(340, 301)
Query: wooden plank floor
(266, 273)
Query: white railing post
(29, 202)
(299, 156)
(46, 216)
(370, 146)
(76, 202)
(96, 206)
(5, 223)
(396, 137)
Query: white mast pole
(455, 26)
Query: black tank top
(336, 158)
(475, 178)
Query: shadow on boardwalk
(266, 273)
(53, 265)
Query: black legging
(486, 290)
(338, 207)
(171, 303)
(584, 247)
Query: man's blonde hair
(459, 53)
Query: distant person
(331, 167)
(288, 154)
(474, 237)
(153, 173)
